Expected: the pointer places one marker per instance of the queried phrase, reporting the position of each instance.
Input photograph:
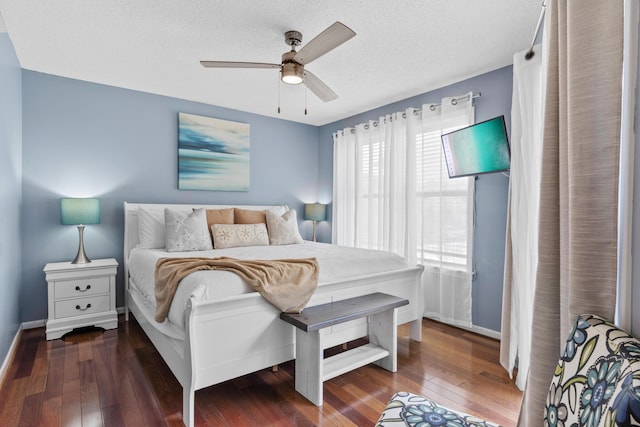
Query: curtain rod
(530, 53)
(432, 107)
(454, 101)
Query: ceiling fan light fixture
(293, 63)
(292, 73)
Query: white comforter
(337, 263)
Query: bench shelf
(352, 359)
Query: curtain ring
(454, 101)
(432, 107)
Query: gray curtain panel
(579, 188)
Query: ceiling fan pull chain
(279, 82)
(305, 99)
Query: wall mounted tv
(477, 149)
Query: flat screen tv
(477, 149)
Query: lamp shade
(315, 212)
(79, 211)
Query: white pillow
(151, 228)
(279, 210)
(236, 235)
(186, 231)
(283, 229)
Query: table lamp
(315, 212)
(80, 212)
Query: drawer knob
(83, 290)
(83, 309)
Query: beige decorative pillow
(283, 229)
(236, 235)
(248, 216)
(218, 216)
(186, 231)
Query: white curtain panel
(392, 193)
(624, 308)
(445, 231)
(370, 186)
(524, 206)
(345, 174)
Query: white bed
(223, 330)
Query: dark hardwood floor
(113, 378)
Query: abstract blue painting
(213, 154)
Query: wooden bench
(312, 369)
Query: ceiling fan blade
(329, 39)
(229, 64)
(316, 86)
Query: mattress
(337, 264)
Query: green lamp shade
(80, 211)
(315, 212)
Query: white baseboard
(33, 324)
(486, 332)
(481, 331)
(473, 328)
(10, 354)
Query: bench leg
(309, 365)
(383, 331)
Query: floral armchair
(596, 383)
(597, 380)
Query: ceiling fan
(292, 69)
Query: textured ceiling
(401, 49)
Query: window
(441, 206)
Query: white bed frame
(234, 336)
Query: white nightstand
(81, 295)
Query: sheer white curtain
(624, 306)
(371, 186)
(445, 233)
(524, 207)
(392, 193)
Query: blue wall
(10, 192)
(82, 139)
(491, 190)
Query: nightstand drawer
(81, 287)
(81, 306)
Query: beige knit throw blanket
(286, 283)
